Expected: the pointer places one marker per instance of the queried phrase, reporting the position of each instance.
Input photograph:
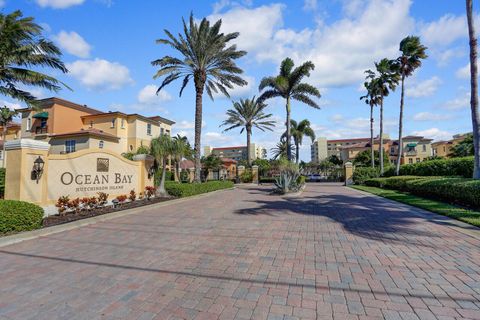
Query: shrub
(169, 176)
(16, 216)
(439, 167)
(132, 196)
(181, 190)
(102, 198)
(62, 204)
(2, 182)
(267, 180)
(361, 174)
(246, 176)
(448, 189)
(149, 192)
(122, 198)
(301, 180)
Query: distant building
(350, 152)
(415, 149)
(444, 148)
(318, 150)
(70, 127)
(237, 152)
(14, 131)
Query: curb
(29, 235)
(459, 226)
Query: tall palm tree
(474, 89)
(381, 83)
(371, 98)
(22, 47)
(288, 85)
(208, 59)
(298, 131)
(247, 114)
(280, 150)
(6, 116)
(161, 148)
(412, 54)
(179, 150)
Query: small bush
(122, 198)
(16, 216)
(440, 167)
(246, 176)
(181, 190)
(361, 174)
(149, 192)
(397, 183)
(132, 196)
(301, 180)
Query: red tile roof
(90, 131)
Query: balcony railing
(41, 130)
(411, 153)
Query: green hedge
(361, 174)
(181, 190)
(456, 190)
(16, 216)
(2, 182)
(440, 167)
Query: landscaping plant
(132, 196)
(16, 216)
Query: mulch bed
(57, 219)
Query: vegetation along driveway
(239, 254)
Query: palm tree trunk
(380, 149)
(289, 150)
(177, 169)
(297, 152)
(474, 90)
(4, 155)
(249, 134)
(400, 128)
(161, 187)
(199, 86)
(372, 149)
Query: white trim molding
(27, 144)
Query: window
(410, 160)
(91, 123)
(29, 124)
(149, 129)
(418, 159)
(70, 146)
(113, 123)
(167, 132)
(43, 123)
(100, 144)
(162, 130)
(424, 148)
(123, 123)
(131, 147)
(1, 154)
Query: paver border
(29, 235)
(456, 225)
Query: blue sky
(108, 46)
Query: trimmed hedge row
(455, 190)
(361, 174)
(181, 190)
(16, 216)
(440, 167)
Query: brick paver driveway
(241, 254)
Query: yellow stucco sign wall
(79, 174)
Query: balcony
(411, 153)
(41, 130)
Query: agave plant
(287, 181)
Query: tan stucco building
(415, 149)
(13, 132)
(70, 127)
(444, 148)
(237, 152)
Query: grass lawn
(445, 209)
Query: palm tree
(6, 116)
(298, 131)
(247, 114)
(22, 47)
(412, 54)
(280, 150)
(474, 89)
(371, 99)
(180, 149)
(161, 148)
(288, 85)
(208, 59)
(380, 84)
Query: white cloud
(100, 74)
(215, 139)
(433, 133)
(428, 116)
(11, 105)
(148, 95)
(58, 4)
(444, 31)
(341, 51)
(184, 124)
(459, 102)
(310, 5)
(2, 3)
(73, 43)
(464, 72)
(425, 88)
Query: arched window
(100, 144)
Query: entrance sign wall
(79, 174)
